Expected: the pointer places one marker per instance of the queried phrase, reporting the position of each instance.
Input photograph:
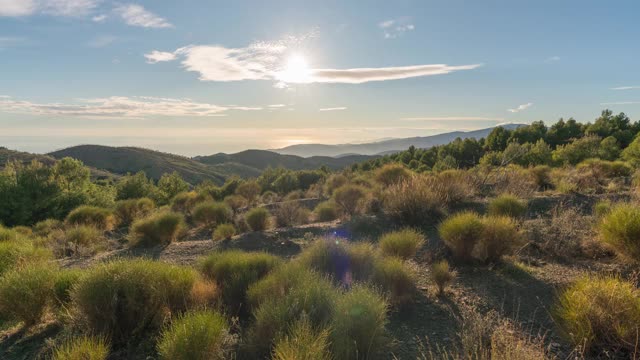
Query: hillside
(7, 155)
(386, 146)
(262, 159)
(122, 160)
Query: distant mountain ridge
(386, 146)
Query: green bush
(210, 214)
(600, 314)
(157, 229)
(15, 255)
(404, 243)
(184, 202)
(196, 335)
(390, 174)
(395, 279)
(45, 227)
(131, 210)
(460, 233)
(257, 219)
(328, 256)
(279, 283)
(81, 236)
(499, 237)
(442, 275)
(224, 231)
(63, 283)
(125, 300)
(234, 271)
(326, 211)
(349, 198)
(82, 348)
(25, 293)
(303, 342)
(98, 217)
(358, 327)
(507, 205)
(621, 229)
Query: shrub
(393, 173)
(276, 314)
(498, 237)
(358, 327)
(328, 256)
(333, 182)
(442, 275)
(157, 229)
(224, 232)
(303, 342)
(291, 213)
(413, 202)
(235, 202)
(257, 219)
(603, 169)
(460, 233)
(210, 214)
(63, 282)
(600, 313)
(130, 210)
(403, 243)
(100, 218)
(184, 202)
(621, 229)
(269, 197)
(349, 198)
(125, 300)
(16, 255)
(294, 195)
(279, 283)
(82, 236)
(196, 335)
(507, 205)
(82, 348)
(234, 271)
(45, 227)
(25, 293)
(395, 279)
(9, 235)
(249, 190)
(326, 211)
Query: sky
(197, 77)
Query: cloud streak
(394, 28)
(621, 103)
(67, 8)
(453, 118)
(520, 108)
(339, 108)
(626, 87)
(138, 107)
(137, 15)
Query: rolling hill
(386, 146)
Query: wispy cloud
(633, 87)
(99, 18)
(453, 118)
(138, 107)
(266, 61)
(394, 28)
(621, 103)
(137, 15)
(69, 8)
(339, 108)
(275, 106)
(101, 41)
(552, 59)
(520, 108)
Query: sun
(296, 70)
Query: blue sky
(199, 77)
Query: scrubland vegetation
(523, 245)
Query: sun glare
(296, 70)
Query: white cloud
(453, 118)
(136, 15)
(101, 41)
(621, 103)
(626, 87)
(69, 8)
(159, 56)
(138, 107)
(333, 108)
(265, 61)
(520, 108)
(394, 28)
(99, 18)
(275, 106)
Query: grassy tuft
(257, 219)
(25, 293)
(209, 214)
(157, 229)
(224, 232)
(303, 342)
(620, 228)
(131, 210)
(507, 205)
(326, 211)
(442, 275)
(460, 233)
(100, 218)
(82, 348)
(404, 243)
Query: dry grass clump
(349, 199)
(224, 232)
(64, 281)
(291, 213)
(25, 293)
(184, 202)
(199, 335)
(10, 235)
(157, 229)
(413, 202)
(235, 271)
(455, 186)
(404, 243)
(210, 214)
(601, 314)
(507, 205)
(460, 233)
(442, 275)
(257, 219)
(131, 210)
(84, 237)
(513, 180)
(326, 211)
(82, 348)
(620, 228)
(14, 255)
(128, 300)
(236, 202)
(46, 227)
(394, 279)
(100, 218)
(303, 342)
(393, 173)
(602, 208)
